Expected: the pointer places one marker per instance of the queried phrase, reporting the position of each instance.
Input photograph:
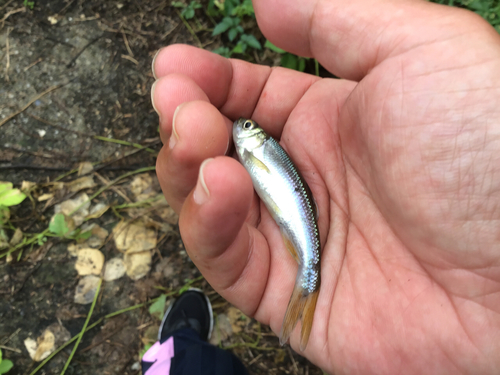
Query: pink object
(161, 355)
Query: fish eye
(247, 125)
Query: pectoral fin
(256, 162)
(273, 209)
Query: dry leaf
(150, 335)
(89, 262)
(133, 238)
(222, 330)
(58, 185)
(31, 346)
(52, 19)
(167, 213)
(235, 318)
(114, 269)
(86, 289)
(45, 346)
(45, 197)
(53, 336)
(98, 210)
(73, 248)
(27, 185)
(67, 207)
(279, 357)
(16, 237)
(137, 265)
(97, 238)
(61, 334)
(86, 182)
(39, 254)
(143, 187)
(85, 167)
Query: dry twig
(127, 45)
(8, 14)
(8, 118)
(7, 66)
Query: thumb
(230, 253)
(351, 37)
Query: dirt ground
(71, 70)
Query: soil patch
(70, 71)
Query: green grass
(488, 9)
(235, 25)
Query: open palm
(403, 160)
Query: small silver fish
(291, 204)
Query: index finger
(238, 88)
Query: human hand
(403, 161)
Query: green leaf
(220, 28)
(302, 65)
(5, 366)
(158, 308)
(218, 6)
(41, 240)
(178, 4)
(251, 41)
(143, 351)
(233, 33)
(4, 186)
(223, 51)
(11, 197)
(477, 5)
(244, 9)
(195, 5)
(85, 235)
(185, 288)
(188, 13)
(272, 47)
(289, 61)
(4, 239)
(228, 6)
(58, 225)
(240, 47)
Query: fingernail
(174, 137)
(153, 97)
(201, 193)
(153, 62)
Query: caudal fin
(307, 318)
(299, 306)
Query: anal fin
(290, 246)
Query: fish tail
(307, 318)
(301, 305)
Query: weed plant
(232, 15)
